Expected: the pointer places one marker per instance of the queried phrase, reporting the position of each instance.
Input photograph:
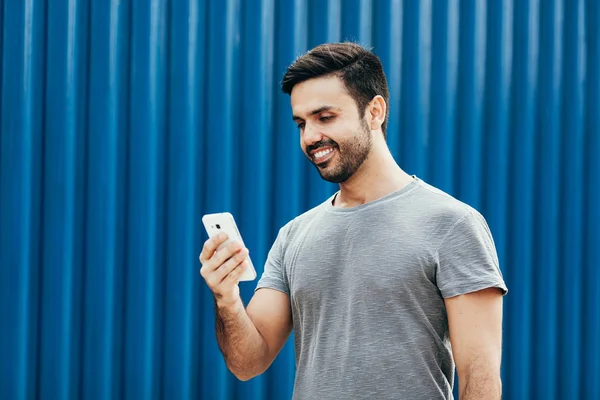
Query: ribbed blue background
(124, 121)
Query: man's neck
(376, 178)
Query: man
(388, 285)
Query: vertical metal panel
(440, 141)
(124, 122)
(101, 208)
(63, 199)
(105, 217)
(471, 53)
(520, 202)
(411, 145)
(590, 346)
(387, 42)
(571, 199)
(185, 113)
(145, 209)
(547, 187)
(219, 154)
(495, 120)
(22, 116)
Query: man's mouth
(322, 155)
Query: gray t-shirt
(367, 287)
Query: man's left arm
(475, 323)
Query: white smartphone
(224, 222)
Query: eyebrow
(318, 111)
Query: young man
(388, 285)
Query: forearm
(242, 345)
(480, 385)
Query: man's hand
(222, 269)
(249, 340)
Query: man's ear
(376, 110)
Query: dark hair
(359, 69)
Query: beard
(351, 154)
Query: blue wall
(124, 121)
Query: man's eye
(325, 119)
(301, 126)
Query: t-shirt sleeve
(467, 260)
(274, 275)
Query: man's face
(333, 135)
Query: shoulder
(442, 212)
(300, 223)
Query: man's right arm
(251, 338)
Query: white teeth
(323, 153)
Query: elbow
(247, 367)
(480, 384)
(244, 374)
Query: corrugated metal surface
(124, 121)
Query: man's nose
(311, 135)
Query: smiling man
(389, 285)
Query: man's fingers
(223, 265)
(230, 264)
(210, 246)
(235, 275)
(225, 253)
(217, 267)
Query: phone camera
(218, 226)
